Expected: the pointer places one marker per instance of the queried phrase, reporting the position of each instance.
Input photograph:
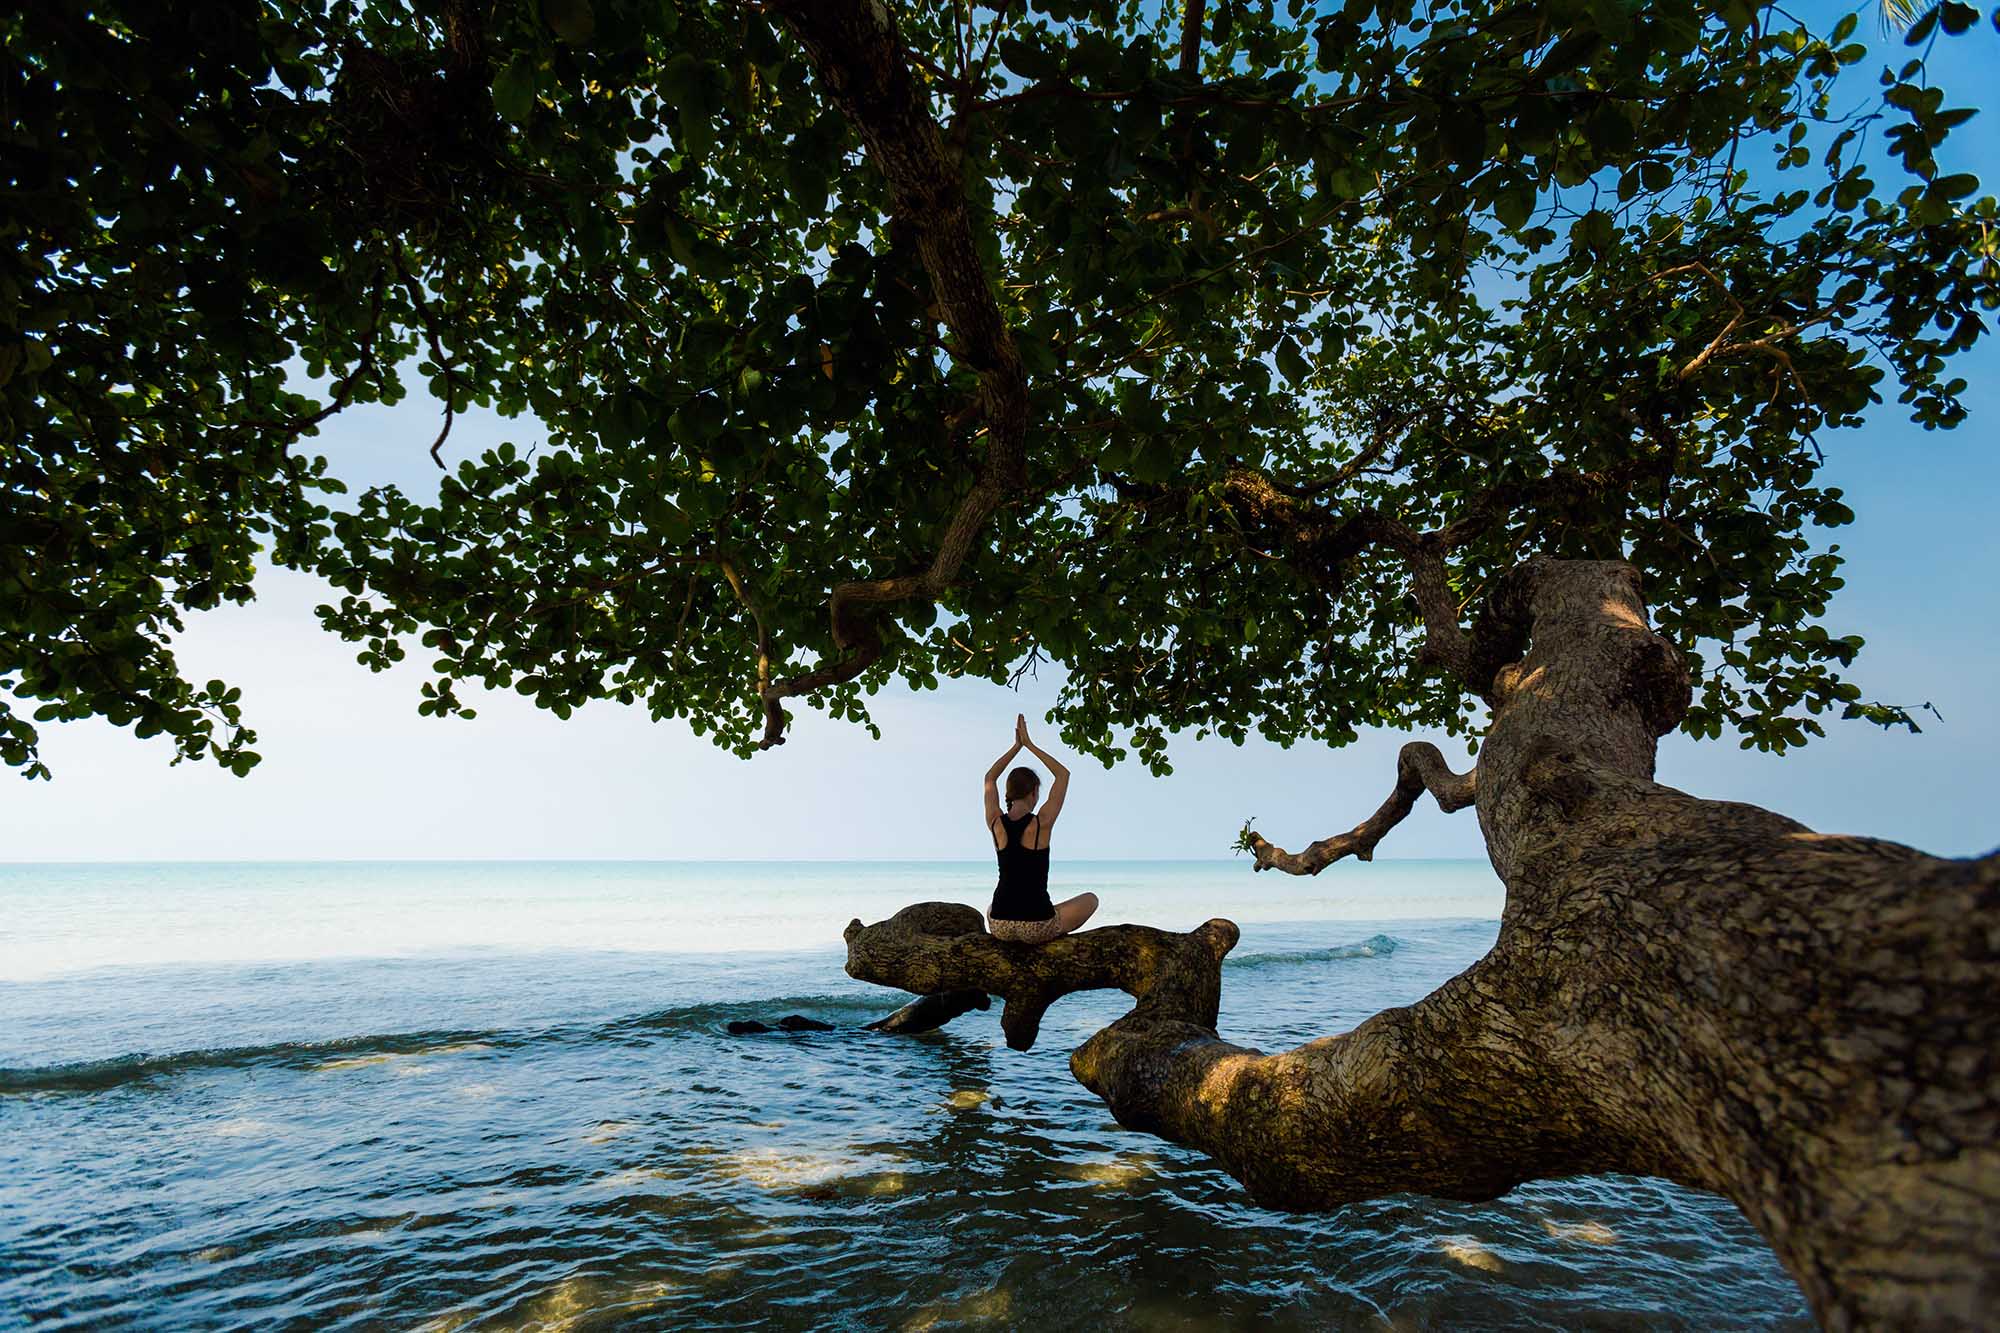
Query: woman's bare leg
(1073, 912)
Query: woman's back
(1022, 893)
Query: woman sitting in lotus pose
(1021, 909)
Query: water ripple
(632, 1165)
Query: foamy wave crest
(98, 1075)
(360, 1052)
(1375, 946)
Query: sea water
(503, 1095)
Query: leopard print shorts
(1027, 932)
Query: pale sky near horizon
(351, 771)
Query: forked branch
(942, 948)
(1419, 768)
(1318, 543)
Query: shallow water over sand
(512, 1136)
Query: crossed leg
(1073, 912)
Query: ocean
(502, 1095)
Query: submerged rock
(922, 1015)
(750, 1027)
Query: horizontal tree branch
(927, 1013)
(1419, 768)
(939, 948)
(1440, 1097)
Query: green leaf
(1028, 58)
(571, 20)
(1956, 17)
(1462, 126)
(1593, 231)
(514, 90)
(1291, 362)
(1569, 53)
(1515, 205)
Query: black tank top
(1023, 891)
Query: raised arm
(999, 767)
(1058, 786)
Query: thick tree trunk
(1698, 990)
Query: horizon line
(642, 860)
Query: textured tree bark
(927, 1013)
(937, 948)
(1699, 990)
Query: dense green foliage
(1574, 277)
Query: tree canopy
(1229, 354)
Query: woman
(1022, 912)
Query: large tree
(1462, 366)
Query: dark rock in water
(931, 1011)
(749, 1027)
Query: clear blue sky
(350, 770)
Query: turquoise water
(500, 1095)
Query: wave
(382, 1048)
(1375, 946)
(99, 1075)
